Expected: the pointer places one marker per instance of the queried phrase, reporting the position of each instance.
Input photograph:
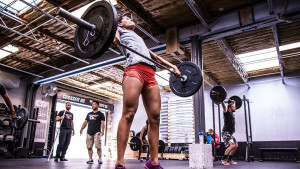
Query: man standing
(7, 100)
(227, 133)
(95, 121)
(66, 128)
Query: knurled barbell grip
(78, 21)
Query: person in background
(95, 131)
(214, 139)
(7, 100)
(227, 133)
(65, 134)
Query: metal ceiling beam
(19, 70)
(232, 59)
(40, 42)
(135, 7)
(229, 23)
(73, 69)
(270, 4)
(50, 16)
(52, 35)
(274, 29)
(35, 50)
(24, 57)
(196, 10)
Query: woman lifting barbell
(138, 78)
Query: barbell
(136, 143)
(95, 32)
(21, 120)
(218, 94)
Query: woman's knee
(129, 115)
(154, 119)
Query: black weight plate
(166, 149)
(7, 123)
(179, 150)
(3, 108)
(174, 150)
(238, 101)
(161, 146)
(192, 83)
(22, 119)
(169, 149)
(105, 32)
(218, 94)
(137, 144)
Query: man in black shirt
(95, 121)
(7, 100)
(227, 132)
(66, 128)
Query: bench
(293, 150)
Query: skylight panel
(78, 13)
(260, 59)
(9, 48)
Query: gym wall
(274, 108)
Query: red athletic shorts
(143, 72)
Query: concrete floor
(42, 163)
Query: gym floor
(132, 164)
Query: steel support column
(274, 29)
(199, 111)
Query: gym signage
(82, 100)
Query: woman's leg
(132, 88)
(152, 102)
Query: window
(260, 59)
(263, 59)
(9, 48)
(289, 46)
(18, 7)
(81, 10)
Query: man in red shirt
(214, 139)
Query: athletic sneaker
(91, 161)
(63, 159)
(150, 165)
(232, 162)
(100, 161)
(140, 160)
(119, 166)
(225, 162)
